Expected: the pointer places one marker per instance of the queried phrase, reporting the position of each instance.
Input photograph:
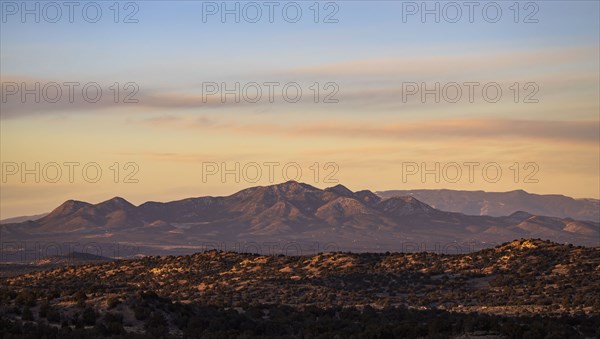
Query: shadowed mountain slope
(292, 211)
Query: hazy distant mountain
(22, 219)
(289, 212)
(504, 203)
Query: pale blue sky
(169, 32)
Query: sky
(379, 106)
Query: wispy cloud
(565, 131)
(141, 100)
(460, 64)
(364, 84)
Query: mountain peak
(118, 200)
(291, 184)
(522, 215)
(116, 203)
(367, 197)
(291, 187)
(404, 205)
(67, 208)
(341, 190)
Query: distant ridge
(504, 203)
(22, 218)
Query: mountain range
(504, 203)
(286, 217)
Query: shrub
(89, 316)
(112, 302)
(26, 315)
(53, 316)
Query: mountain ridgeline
(286, 213)
(504, 203)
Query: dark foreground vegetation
(523, 289)
(161, 318)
